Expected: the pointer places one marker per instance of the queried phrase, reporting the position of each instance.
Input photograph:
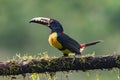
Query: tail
(90, 44)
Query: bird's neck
(56, 27)
(58, 32)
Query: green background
(83, 20)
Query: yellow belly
(53, 41)
(66, 51)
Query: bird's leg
(73, 56)
(64, 56)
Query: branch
(41, 65)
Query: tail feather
(90, 44)
(93, 43)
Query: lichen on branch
(55, 64)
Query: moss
(13, 67)
(35, 76)
(43, 64)
(117, 59)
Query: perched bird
(59, 39)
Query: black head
(54, 25)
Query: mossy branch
(52, 64)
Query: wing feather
(69, 43)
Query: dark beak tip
(30, 21)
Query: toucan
(59, 39)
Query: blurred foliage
(83, 20)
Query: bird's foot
(75, 57)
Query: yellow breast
(53, 40)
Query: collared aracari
(59, 39)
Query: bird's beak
(40, 20)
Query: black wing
(69, 43)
